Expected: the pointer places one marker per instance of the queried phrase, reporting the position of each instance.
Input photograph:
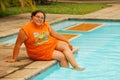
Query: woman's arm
(20, 39)
(59, 36)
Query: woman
(43, 43)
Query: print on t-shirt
(40, 38)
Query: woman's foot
(79, 69)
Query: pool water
(99, 53)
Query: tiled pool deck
(24, 67)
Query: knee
(65, 45)
(62, 46)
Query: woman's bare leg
(58, 55)
(63, 47)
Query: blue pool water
(99, 53)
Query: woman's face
(38, 19)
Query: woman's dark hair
(38, 11)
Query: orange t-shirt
(40, 44)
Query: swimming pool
(99, 53)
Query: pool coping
(33, 69)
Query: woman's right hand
(10, 60)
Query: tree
(4, 4)
(28, 3)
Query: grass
(72, 8)
(59, 8)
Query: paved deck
(24, 67)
